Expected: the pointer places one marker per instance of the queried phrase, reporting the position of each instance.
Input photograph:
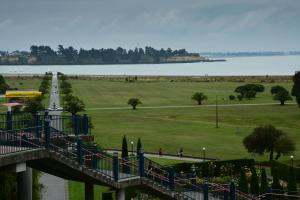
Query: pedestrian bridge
(48, 144)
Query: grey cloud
(197, 25)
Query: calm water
(264, 65)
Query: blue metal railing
(111, 166)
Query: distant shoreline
(145, 63)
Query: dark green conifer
(124, 148)
(243, 184)
(254, 185)
(263, 181)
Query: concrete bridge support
(89, 191)
(25, 184)
(120, 194)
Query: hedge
(283, 170)
(203, 168)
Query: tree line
(69, 55)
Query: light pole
(203, 151)
(131, 148)
(217, 113)
(292, 159)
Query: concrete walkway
(188, 106)
(169, 157)
(55, 187)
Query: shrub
(219, 167)
(231, 97)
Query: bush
(231, 97)
(206, 168)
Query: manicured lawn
(76, 191)
(189, 128)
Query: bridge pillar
(25, 184)
(120, 194)
(232, 191)
(89, 191)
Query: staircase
(74, 159)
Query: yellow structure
(22, 93)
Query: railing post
(75, 122)
(141, 163)
(37, 125)
(116, 166)
(85, 124)
(232, 191)
(171, 180)
(205, 191)
(9, 122)
(225, 194)
(47, 134)
(94, 161)
(269, 196)
(79, 151)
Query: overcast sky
(197, 25)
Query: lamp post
(131, 148)
(292, 159)
(203, 151)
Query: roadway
(55, 187)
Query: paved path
(188, 106)
(170, 157)
(55, 187)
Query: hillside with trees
(45, 55)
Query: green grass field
(190, 128)
(172, 128)
(24, 82)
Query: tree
(282, 96)
(134, 102)
(292, 185)
(269, 139)
(3, 85)
(73, 105)
(138, 146)
(65, 87)
(199, 97)
(254, 186)
(296, 87)
(243, 184)
(34, 105)
(249, 90)
(124, 148)
(277, 88)
(263, 181)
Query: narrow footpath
(55, 188)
